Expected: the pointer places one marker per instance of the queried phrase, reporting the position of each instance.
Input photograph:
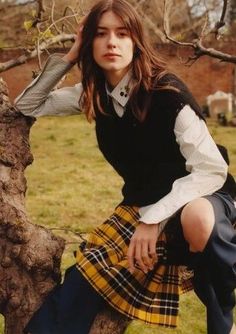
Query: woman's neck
(113, 78)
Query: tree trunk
(109, 322)
(30, 255)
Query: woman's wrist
(69, 58)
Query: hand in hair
(73, 53)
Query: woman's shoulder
(171, 82)
(175, 93)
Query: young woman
(176, 207)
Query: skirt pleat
(152, 297)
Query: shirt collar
(121, 93)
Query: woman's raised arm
(39, 99)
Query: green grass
(1, 324)
(71, 187)
(192, 320)
(69, 184)
(225, 136)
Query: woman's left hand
(142, 248)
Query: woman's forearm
(39, 100)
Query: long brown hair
(147, 67)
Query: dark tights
(215, 270)
(69, 309)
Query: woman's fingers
(142, 248)
(147, 260)
(135, 256)
(152, 251)
(130, 256)
(138, 253)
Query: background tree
(53, 23)
(232, 17)
(211, 29)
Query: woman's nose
(112, 40)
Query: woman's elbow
(221, 174)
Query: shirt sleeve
(208, 170)
(38, 99)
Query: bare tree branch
(154, 28)
(19, 4)
(52, 18)
(197, 45)
(149, 22)
(76, 233)
(40, 10)
(167, 13)
(44, 37)
(53, 24)
(221, 22)
(224, 11)
(32, 54)
(41, 6)
(38, 54)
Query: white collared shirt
(120, 94)
(208, 170)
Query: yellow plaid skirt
(151, 297)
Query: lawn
(71, 188)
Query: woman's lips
(111, 55)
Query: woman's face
(113, 47)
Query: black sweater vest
(145, 154)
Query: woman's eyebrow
(106, 28)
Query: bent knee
(197, 220)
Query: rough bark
(109, 322)
(30, 255)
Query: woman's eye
(123, 33)
(100, 33)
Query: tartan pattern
(151, 297)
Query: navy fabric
(215, 270)
(69, 309)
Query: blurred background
(25, 25)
